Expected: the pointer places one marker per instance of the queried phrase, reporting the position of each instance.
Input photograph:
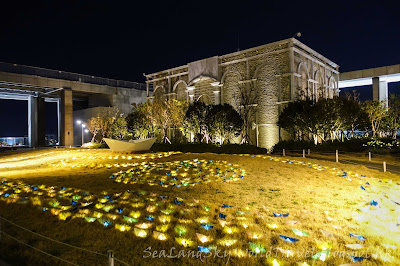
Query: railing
(56, 74)
(13, 141)
(371, 160)
(109, 257)
(50, 140)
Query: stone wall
(278, 73)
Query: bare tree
(245, 103)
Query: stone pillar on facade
(66, 117)
(36, 121)
(380, 90)
(190, 90)
(268, 112)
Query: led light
(227, 242)
(164, 219)
(254, 235)
(272, 226)
(151, 208)
(97, 214)
(299, 232)
(324, 245)
(122, 228)
(144, 225)
(180, 230)
(202, 220)
(140, 232)
(184, 242)
(130, 219)
(135, 214)
(90, 219)
(231, 230)
(64, 215)
(162, 228)
(159, 236)
(257, 248)
(203, 238)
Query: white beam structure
(377, 77)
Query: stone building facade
(276, 73)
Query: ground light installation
(206, 226)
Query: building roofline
(313, 52)
(294, 41)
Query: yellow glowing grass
(336, 207)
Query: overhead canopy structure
(378, 77)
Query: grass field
(206, 204)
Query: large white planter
(131, 145)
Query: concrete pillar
(58, 121)
(216, 97)
(66, 118)
(41, 122)
(379, 90)
(36, 121)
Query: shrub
(213, 148)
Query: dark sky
(121, 40)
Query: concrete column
(58, 120)
(32, 121)
(379, 90)
(36, 121)
(41, 109)
(67, 130)
(216, 97)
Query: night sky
(124, 40)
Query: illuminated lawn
(259, 209)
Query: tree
(376, 112)
(291, 118)
(353, 116)
(176, 113)
(394, 114)
(139, 121)
(150, 119)
(245, 100)
(194, 125)
(167, 113)
(101, 126)
(322, 120)
(119, 128)
(223, 122)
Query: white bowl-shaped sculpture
(131, 145)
